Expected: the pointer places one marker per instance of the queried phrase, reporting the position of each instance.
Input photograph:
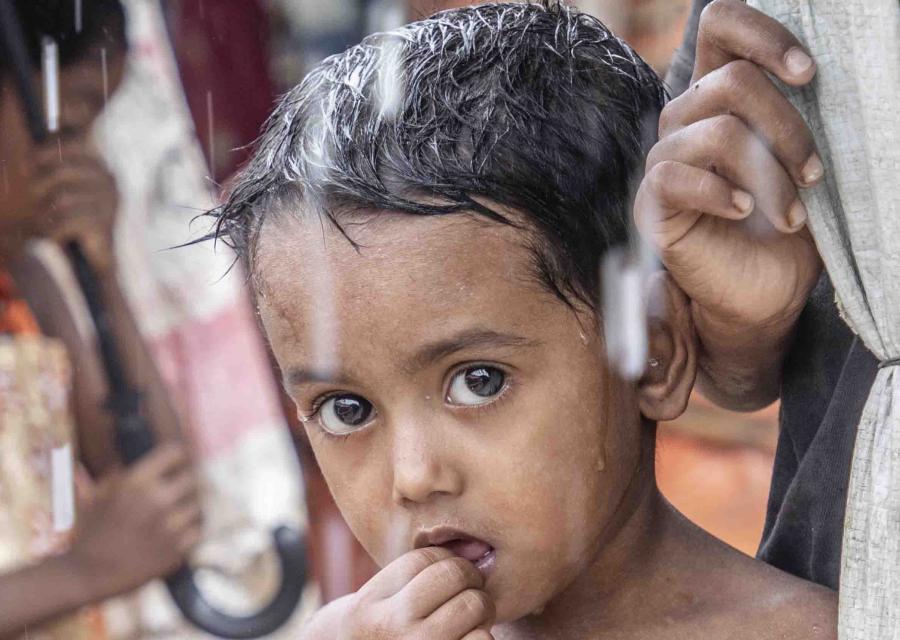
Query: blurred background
(200, 78)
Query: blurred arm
(39, 593)
(46, 281)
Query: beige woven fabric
(852, 108)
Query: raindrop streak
(59, 148)
(105, 70)
(50, 70)
(389, 92)
(397, 536)
(624, 313)
(323, 325)
(624, 273)
(210, 129)
(78, 24)
(5, 178)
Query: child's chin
(507, 616)
(510, 610)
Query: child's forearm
(39, 593)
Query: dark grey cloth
(826, 379)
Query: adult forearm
(43, 277)
(740, 368)
(39, 593)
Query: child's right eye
(344, 414)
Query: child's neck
(635, 581)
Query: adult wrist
(81, 580)
(731, 337)
(739, 364)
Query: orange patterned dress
(37, 509)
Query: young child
(424, 221)
(138, 523)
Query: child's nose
(421, 470)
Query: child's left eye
(476, 385)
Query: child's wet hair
(537, 108)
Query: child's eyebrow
(467, 339)
(297, 376)
(424, 356)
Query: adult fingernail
(742, 201)
(796, 215)
(812, 170)
(797, 61)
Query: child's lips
(471, 549)
(477, 551)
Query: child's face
(492, 411)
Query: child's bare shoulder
(778, 605)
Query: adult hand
(137, 524)
(73, 197)
(720, 202)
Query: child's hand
(73, 196)
(138, 525)
(426, 594)
(720, 198)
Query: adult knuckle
(656, 155)
(663, 174)
(738, 76)
(713, 15)
(655, 181)
(725, 131)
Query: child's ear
(666, 385)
